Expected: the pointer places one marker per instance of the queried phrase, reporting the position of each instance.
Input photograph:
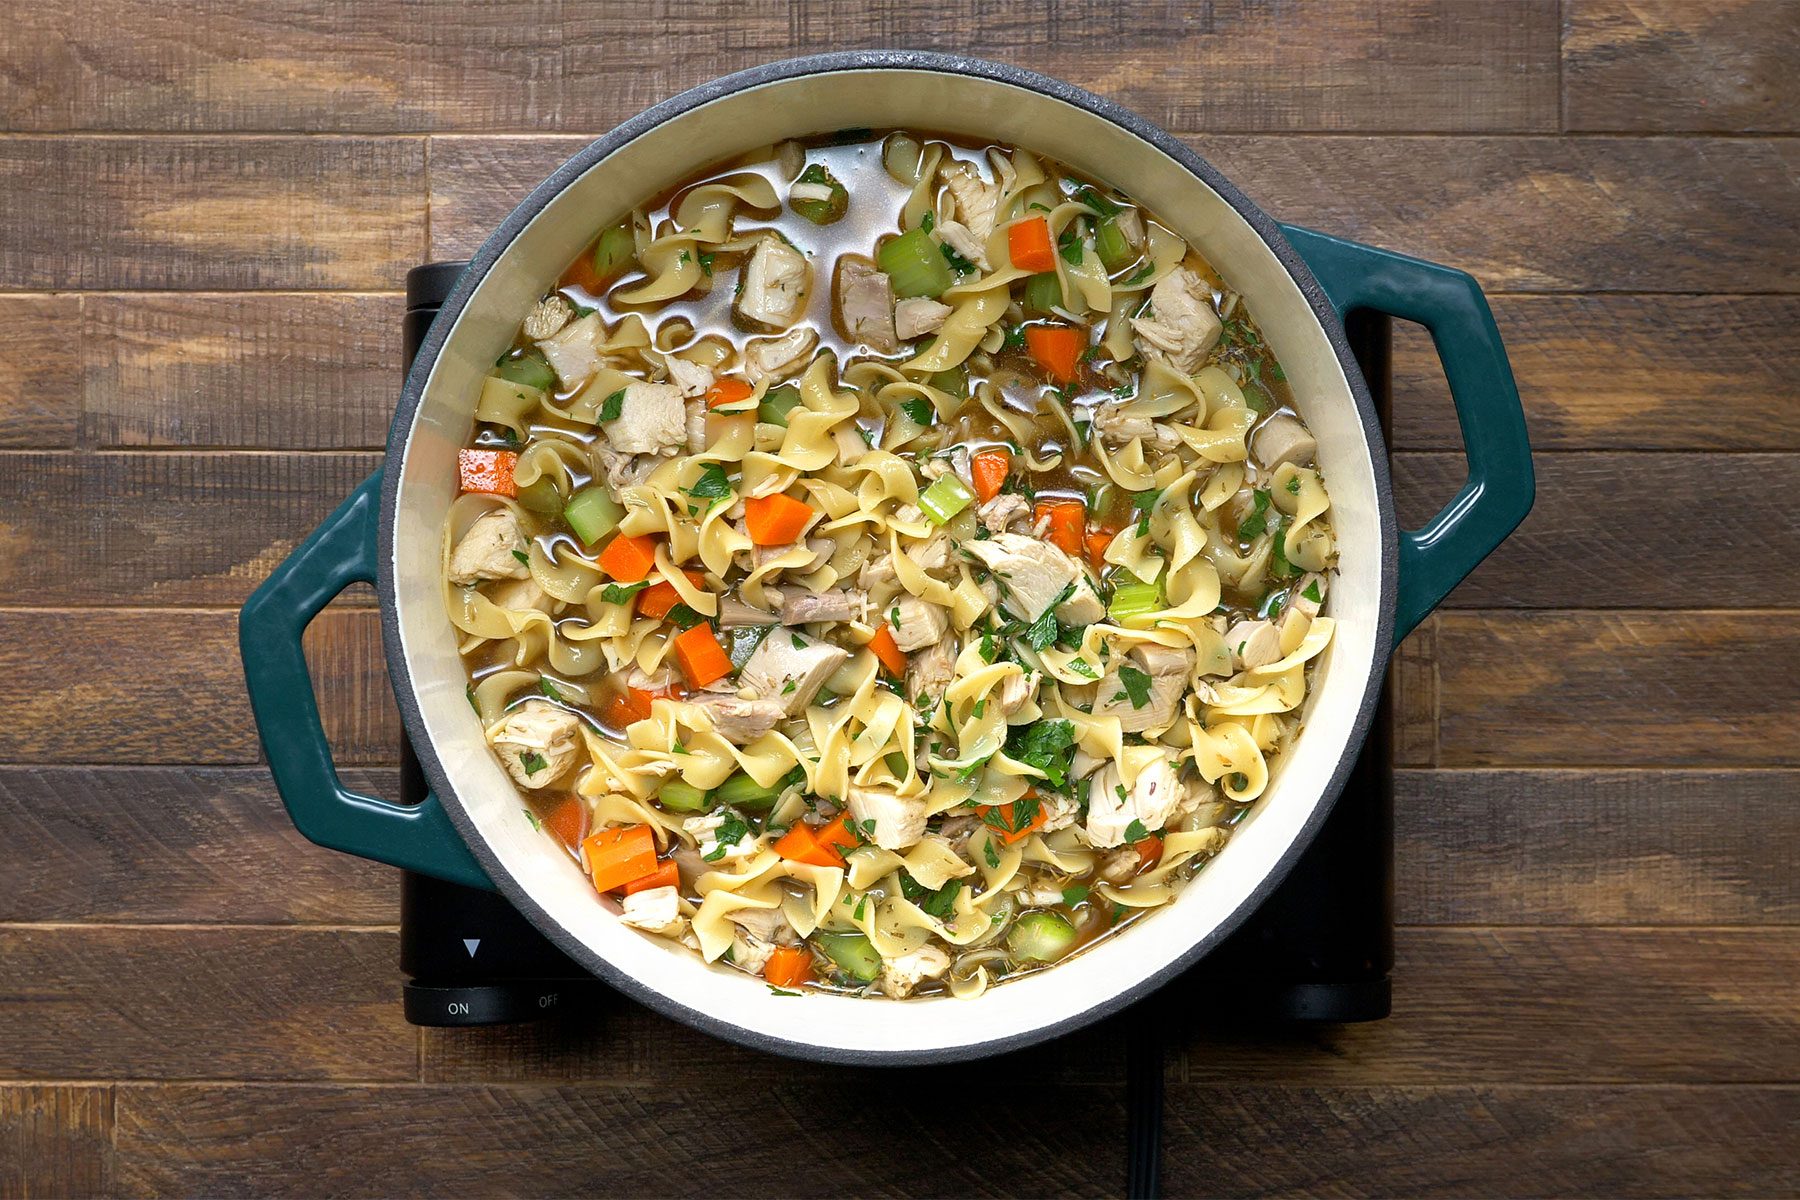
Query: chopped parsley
(532, 761)
(928, 221)
(1043, 631)
(1070, 245)
(1015, 337)
(712, 484)
(958, 263)
(684, 617)
(612, 406)
(775, 991)
(1253, 525)
(988, 853)
(1142, 273)
(1142, 503)
(1293, 486)
(522, 557)
(1136, 684)
(706, 262)
(1074, 895)
(1279, 566)
(1313, 593)
(533, 818)
(1046, 745)
(729, 833)
(1135, 832)
(919, 409)
(621, 593)
(548, 688)
(790, 687)
(1084, 668)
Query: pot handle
(341, 551)
(1500, 486)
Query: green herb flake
(1313, 593)
(1074, 895)
(1045, 745)
(533, 818)
(775, 991)
(713, 483)
(1070, 245)
(1083, 668)
(958, 263)
(612, 406)
(1136, 684)
(621, 593)
(919, 409)
(549, 689)
(988, 853)
(1253, 525)
(1135, 832)
(469, 691)
(532, 761)
(683, 617)
(522, 557)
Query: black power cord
(1143, 1108)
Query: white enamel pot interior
(678, 139)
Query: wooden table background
(206, 210)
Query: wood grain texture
(167, 686)
(1587, 214)
(1625, 373)
(148, 1002)
(1585, 543)
(55, 1140)
(40, 374)
(195, 66)
(1412, 697)
(183, 213)
(160, 528)
(1703, 689)
(305, 371)
(1481, 1141)
(1596, 847)
(1564, 1006)
(1665, 66)
(177, 845)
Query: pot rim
(496, 246)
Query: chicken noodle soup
(888, 565)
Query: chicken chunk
(841, 604)
(1159, 674)
(917, 623)
(1032, 575)
(1112, 807)
(1282, 439)
(976, 198)
(537, 742)
(655, 910)
(574, 350)
(777, 358)
(1015, 690)
(1307, 596)
(735, 614)
(1005, 511)
(1119, 865)
(1116, 427)
(917, 316)
(774, 284)
(622, 470)
(930, 671)
(547, 316)
(962, 240)
(902, 974)
(866, 304)
(890, 821)
(1083, 607)
(691, 377)
(741, 721)
(706, 831)
(1183, 327)
(1253, 644)
(492, 549)
(651, 419)
(791, 667)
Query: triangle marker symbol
(471, 945)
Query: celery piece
(1043, 293)
(614, 250)
(852, 953)
(947, 496)
(741, 791)
(1134, 599)
(529, 368)
(1109, 241)
(1040, 937)
(592, 514)
(954, 382)
(678, 795)
(820, 210)
(541, 497)
(777, 403)
(913, 265)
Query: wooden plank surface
(251, 213)
(177, 845)
(286, 370)
(196, 1002)
(1655, 66)
(192, 66)
(206, 211)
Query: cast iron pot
(1299, 284)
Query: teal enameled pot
(1300, 285)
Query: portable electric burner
(1320, 948)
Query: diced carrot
(487, 471)
(1029, 244)
(990, 469)
(1057, 349)
(629, 559)
(776, 520)
(820, 846)
(1068, 521)
(1006, 816)
(618, 856)
(789, 967)
(667, 874)
(727, 391)
(701, 657)
(568, 821)
(893, 659)
(656, 600)
(623, 710)
(1097, 542)
(838, 836)
(1150, 850)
